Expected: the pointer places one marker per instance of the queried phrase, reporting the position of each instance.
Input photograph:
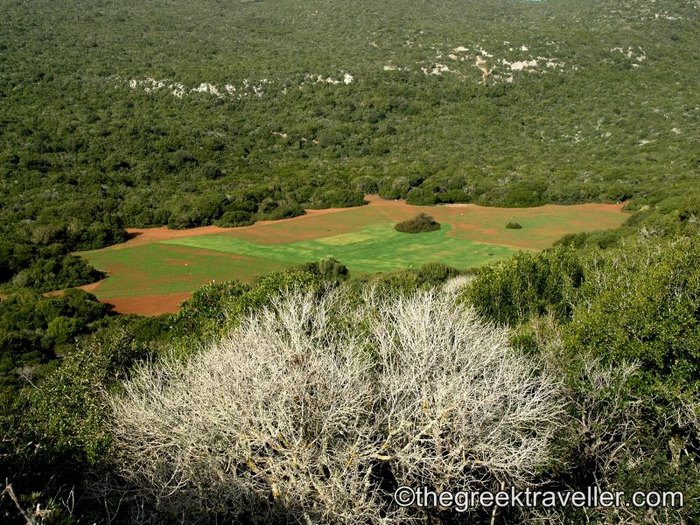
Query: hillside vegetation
(131, 114)
(256, 402)
(307, 391)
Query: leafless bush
(322, 409)
(455, 284)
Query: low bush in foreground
(318, 411)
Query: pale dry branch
(10, 493)
(321, 409)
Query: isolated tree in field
(419, 224)
(318, 411)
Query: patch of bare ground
(139, 236)
(149, 305)
(92, 287)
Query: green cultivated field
(373, 249)
(160, 269)
(181, 265)
(362, 238)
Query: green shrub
(215, 308)
(420, 197)
(56, 441)
(233, 219)
(642, 304)
(513, 226)
(329, 269)
(436, 273)
(421, 223)
(527, 284)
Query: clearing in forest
(155, 270)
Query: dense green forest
(118, 114)
(226, 112)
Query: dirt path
(485, 71)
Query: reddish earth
(90, 288)
(149, 235)
(148, 304)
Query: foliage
(58, 445)
(216, 308)
(421, 223)
(35, 330)
(43, 268)
(406, 282)
(528, 284)
(643, 307)
(433, 274)
(329, 269)
(625, 340)
(514, 226)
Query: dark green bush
(421, 223)
(421, 197)
(329, 269)
(528, 284)
(233, 219)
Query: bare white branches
(322, 408)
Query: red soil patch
(149, 235)
(148, 304)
